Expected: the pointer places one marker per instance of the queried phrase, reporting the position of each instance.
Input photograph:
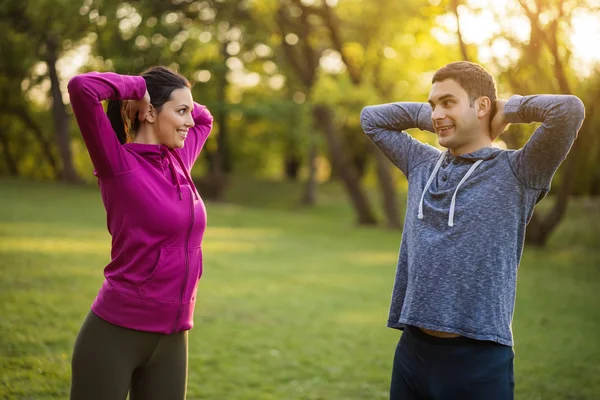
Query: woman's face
(174, 119)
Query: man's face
(454, 118)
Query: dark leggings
(432, 368)
(109, 361)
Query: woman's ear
(151, 114)
(484, 106)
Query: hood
(478, 156)
(155, 153)
(158, 154)
(487, 153)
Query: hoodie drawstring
(435, 170)
(453, 203)
(168, 155)
(186, 173)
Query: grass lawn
(292, 304)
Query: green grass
(293, 301)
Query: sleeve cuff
(201, 114)
(511, 109)
(127, 87)
(424, 122)
(138, 86)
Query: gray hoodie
(466, 215)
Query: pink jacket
(154, 213)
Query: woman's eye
(181, 112)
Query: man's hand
(139, 106)
(499, 123)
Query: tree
(384, 176)
(548, 36)
(22, 127)
(293, 19)
(366, 39)
(48, 25)
(545, 65)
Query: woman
(135, 337)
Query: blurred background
(286, 80)
(305, 215)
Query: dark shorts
(432, 368)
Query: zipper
(187, 266)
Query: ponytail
(114, 113)
(160, 83)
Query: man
(465, 224)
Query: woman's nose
(190, 121)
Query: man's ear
(151, 114)
(484, 107)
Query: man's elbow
(574, 113)
(575, 107)
(366, 119)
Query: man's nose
(438, 113)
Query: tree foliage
(286, 80)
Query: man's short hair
(473, 78)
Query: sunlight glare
(585, 39)
(276, 82)
(331, 62)
(483, 21)
(202, 75)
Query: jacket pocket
(194, 273)
(166, 279)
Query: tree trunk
(39, 135)
(333, 24)
(323, 118)
(223, 148)
(352, 172)
(292, 158)
(540, 227)
(214, 183)
(359, 159)
(461, 42)
(309, 198)
(304, 60)
(595, 186)
(388, 191)
(59, 112)
(291, 164)
(11, 163)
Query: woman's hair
(160, 83)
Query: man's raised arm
(561, 117)
(385, 125)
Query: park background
(304, 214)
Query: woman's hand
(139, 108)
